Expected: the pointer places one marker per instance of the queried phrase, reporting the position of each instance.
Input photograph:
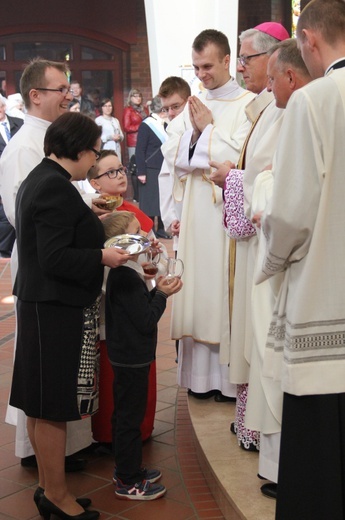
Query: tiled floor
(172, 447)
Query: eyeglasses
(243, 60)
(113, 173)
(96, 152)
(63, 90)
(173, 108)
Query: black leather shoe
(232, 428)
(48, 508)
(202, 395)
(269, 490)
(71, 463)
(220, 398)
(83, 501)
(163, 234)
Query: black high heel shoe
(83, 502)
(47, 508)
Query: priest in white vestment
(257, 153)
(303, 226)
(212, 127)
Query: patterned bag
(236, 224)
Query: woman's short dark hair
(71, 134)
(105, 101)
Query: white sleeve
(16, 164)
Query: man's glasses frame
(62, 90)
(243, 60)
(173, 108)
(96, 152)
(113, 173)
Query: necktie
(8, 133)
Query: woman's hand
(113, 257)
(142, 179)
(97, 208)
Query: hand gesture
(221, 171)
(200, 116)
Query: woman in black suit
(61, 258)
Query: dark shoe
(29, 462)
(269, 490)
(71, 464)
(139, 491)
(233, 428)
(150, 475)
(202, 395)
(83, 502)
(220, 398)
(47, 508)
(163, 234)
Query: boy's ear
(94, 184)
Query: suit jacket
(86, 105)
(59, 240)
(15, 124)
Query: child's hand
(169, 285)
(156, 246)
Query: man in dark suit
(8, 127)
(86, 105)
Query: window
(50, 51)
(87, 53)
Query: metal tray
(133, 244)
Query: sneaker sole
(120, 496)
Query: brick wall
(252, 12)
(137, 64)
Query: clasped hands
(200, 116)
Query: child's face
(134, 227)
(116, 186)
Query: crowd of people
(249, 182)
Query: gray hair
(156, 105)
(261, 41)
(3, 101)
(289, 54)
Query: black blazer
(59, 240)
(15, 124)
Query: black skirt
(56, 367)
